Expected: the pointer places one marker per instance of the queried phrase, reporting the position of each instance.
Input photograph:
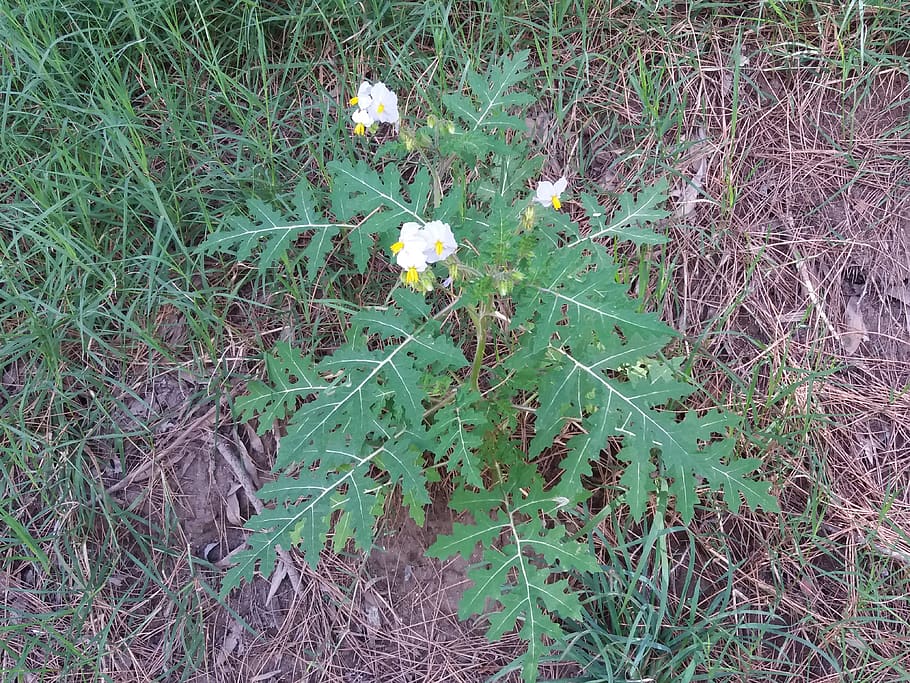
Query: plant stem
(478, 317)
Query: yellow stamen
(439, 247)
(412, 277)
(360, 129)
(354, 100)
(398, 246)
(556, 202)
(380, 108)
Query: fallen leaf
(229, 644)
(856, 332)
(232, 506)
(281, 571)
(899, 292)
(689, 193)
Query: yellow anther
(354, 100)
(439, 247)
(360, 129)
(556, 202)
(412, 277)
(380, 108)
(398, 246)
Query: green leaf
(573, 286)
(271, 234)
(292, 378)
(523, 575)
(492, 95)
(626, 221)
(359, 191)
(457, 431)
(486, 109)
(652, 437)
(334, 478)
(357, 436)
(592, 343)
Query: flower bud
(408, 140)
(527, 217)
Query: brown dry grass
(804, 207)
(806, 191)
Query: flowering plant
(556, 344)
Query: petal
(411, 257)
(544, 192)
(362, 116)
(560, 185)
(412, 234)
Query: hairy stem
(479, 318)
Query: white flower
(383, 105)
(362, 121)
(439, 242)
(548, 193)
(412, 261)
(411, 235)
(362, 99)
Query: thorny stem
(437, 176)
(478, 317)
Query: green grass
(128, 131)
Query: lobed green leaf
(271, 234)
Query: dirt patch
(389, 617)
(410, 607)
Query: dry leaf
(248, 463)
(899, 292)
(229, 644)
(689, 193)
(281, 571)
(856, 332)
(232, 506)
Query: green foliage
(358, 192)
(520, 570)
(349, 438)
(570, 346)
(632, 628)
(269, 233)
(291, 378)
(485, 111)
(361, 191)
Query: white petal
(560, 186)
(364, 91)
(383, 97)
(437, 233)
(362, 116)
(544, 192)
(410, 233)
(411, 257)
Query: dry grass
(802, 212)
(819, 199)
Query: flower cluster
(375, 104)
(418, 246)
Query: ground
(788, 277)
